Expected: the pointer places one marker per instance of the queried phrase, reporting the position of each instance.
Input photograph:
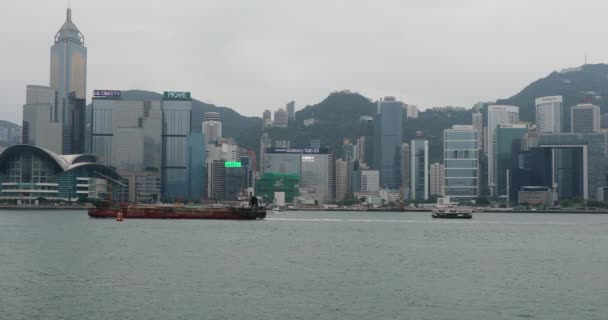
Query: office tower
(390, 135)
(196, 166)
(497, 115)
(436, 178)
(248, 171)
(461, 162)
(370, 181)
(317, 175)
(221, 152)
(216, 181)
(573, 164)
(484, 141)
(68, 79)
(507, 145)
(405, 169)
(176, 108)
(411, 111)
(280, 118)
(366, 151)
(39, 126)
(585, 118)
(342, 179)
(267, 118)
(477, 121)
(291, 110)
(549, 114)
(126, 135)
(419, 164)
(212, 127)
(604, 123)
(265, 143)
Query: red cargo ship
(136, 211)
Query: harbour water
(304, 265)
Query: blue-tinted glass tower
(390, 135)
(68, 78)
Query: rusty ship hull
(175, 212)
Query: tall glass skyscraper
(497, 115)
(507, 144)
(68, 78)
(176, 109)
(419, 165)
(461, 162)
(390, 135)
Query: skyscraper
(549, 114)
(497, 115)
(280, 118)
(366, 150)
(419, 165)
(68, 78)
(436, 178)
(126, 135)
(267, 118)
(405, 169)
(585, 118)
(176, 108)
(461, 161)
(507, 144)
(39, 127)
(291, 110)
(390, 135)
(477, 121)
(342, 179)
(212, 127)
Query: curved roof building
(32, 172)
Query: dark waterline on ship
(304, 265)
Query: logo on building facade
(176, 95)
(107, 93)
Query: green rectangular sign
(176, 95)
(232, 164)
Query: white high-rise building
(436, 177)
(549, 114)
(40, 127)
(212, 127)
(411, 111)
(585, 118)
(370, 181)
(497, 115)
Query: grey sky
(253, 55)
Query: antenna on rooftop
(585, 58)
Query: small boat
(452, 212)
(277, 210)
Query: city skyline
(401, 56)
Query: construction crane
(398, 202)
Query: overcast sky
(253, 55)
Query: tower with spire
(69, 79)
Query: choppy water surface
(305, 265)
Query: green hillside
(588, 83)
(246, 130)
